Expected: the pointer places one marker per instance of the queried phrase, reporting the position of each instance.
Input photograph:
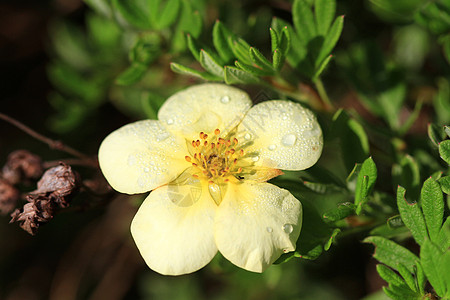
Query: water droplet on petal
(225, 99)
(272, 147)
(269, 229)
(170, 121)
(289, 140)
(146, 170)
(288, 228)
(255, 158)
(247, 136)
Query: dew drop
(225, 99)
(247, 136)
(272, 147)
(146, 170)
(170, 121)
(288, 228)
(255, 158)
(269, 229)
(288, 140)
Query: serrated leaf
(190, 22)
(274, 40)
(445, 184)
(391, 253)
(412, 217)
(234, 75)
(194, 47)
(180, 69)
(297, 50)
(406, 174)
(342, 211)
(444, 267)
(444, 151)
(259, 60)
(447, 130)
(389, 276)
(303, 20)
(168, 15)
(133, 12)
(435, 134)
(430, 257)
(324, 11)
(432, 202)
(132, 74)
(210, 64)
(330, 40)
(403, 293)
(407, 276)
(221, 35)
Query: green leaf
(342, 211)
(194, 47)
(366, 180)
(444, 267)
(391, 253)
(432, 202)
(445, 184)
(441, 103)
(277, 59)
(324, 11)
(274, 40)
(330, 40)
(303, 20)
(332, 239)
(190, 22)
(412, 217)
(447, 130)
(180, 69)
(435, 133)
(210, 65)
(411, 119)
(401, 293)
(134, 12)
(146, 49)
(389, 276)
(221, 35)
(233, 75)
(444, 151)
(420, 278)
(407, 276)
(132, 74)
(430, 257)
(285, 41)
(101, 7)
(240, 50)
(169, 13)
(251, 69)
(260, 60)
(444, 235)
(406, 174)
(321, 68)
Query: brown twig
(57, 145)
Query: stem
(323, 94)
(52, 143)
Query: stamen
(205, 143)
(235, 140)
(194, 144)
(241, 152)
(195, 175)
(202, 135)
(197, 143)
(217, 131)
(187, 158)
(239, 170)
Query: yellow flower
(207, 160)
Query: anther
(205, 143)
(194, 144)
(241, 152)
(239, 170)
(197, 143)
(187, 158)
(195, 175)
(202, 135)
(194, 164)
(235, 161)
(235, 140)
(232, 150)
(228, 143)
(211, 182)
(217, 131)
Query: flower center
(215, 157)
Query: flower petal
(174, 239)
(256, 223)
(141, 156)
(282, 135)
(204, 108)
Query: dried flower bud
(22, 164)
(57, 184)
(8, 197)
(54, 190)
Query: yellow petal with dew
(282, 135)
(176, 239)
(141, 156)
(256, 223)
(203, 108)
